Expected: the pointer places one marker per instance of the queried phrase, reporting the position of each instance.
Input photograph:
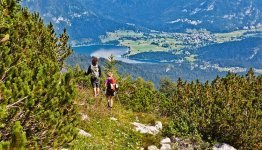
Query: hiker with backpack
(111, 88)
(95, 70)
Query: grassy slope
(109, 134)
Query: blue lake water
(104, 51)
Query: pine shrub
(36, 98)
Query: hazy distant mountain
(76, 16)
(91, 18)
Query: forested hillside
(42, 100)
(151, 71)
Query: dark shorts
(95, 82)
(110, 92)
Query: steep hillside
(83, 23)
(91, 18)
(245, 53)
(111, 128)
(193, 114)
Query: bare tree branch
(13, 105)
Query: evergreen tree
(64, 50)
(18, 137)
(110, 64)
(36, 98)
(227, 110)
(167, 87)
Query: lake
(105, 51)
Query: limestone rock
(152, 147)
(148, 129)
(165, 147)
(165, 141)
(223, 146)
(84, 133)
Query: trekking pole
(118, 99)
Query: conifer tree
(18, 137)
(227, 110)
(64, 50)
(36, 98)
(110, 64)
(167, 87)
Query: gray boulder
(165, 147)
(152, 147)
(223, 146)
(148, 129)
(165, 141)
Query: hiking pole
(118, 99)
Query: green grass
(142, 46)
(109, 134)
(231, 36)
(235, 35)
(144, 42)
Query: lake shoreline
(106, 50)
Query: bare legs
(110, 101)
(96, 91)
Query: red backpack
(112, 85)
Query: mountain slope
(81, 22)
(91, 18)
(245, 53)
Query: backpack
(112, 85)
(94, 71)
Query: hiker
(111, 88)
(95, 71)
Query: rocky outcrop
(165, 141)
(148, 129)
(152, 147)
(165, 144)
(174, 142)
(166, 147)
(84, 133)
(223, 146)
